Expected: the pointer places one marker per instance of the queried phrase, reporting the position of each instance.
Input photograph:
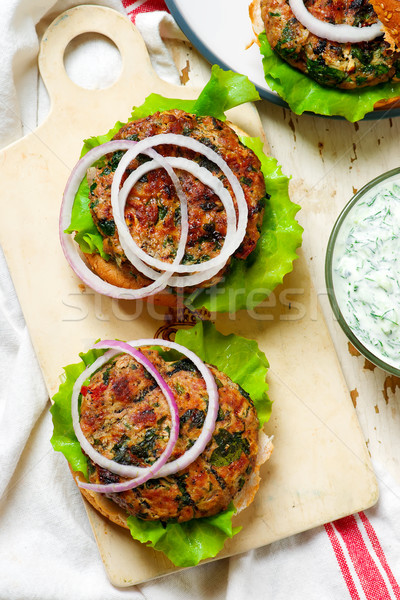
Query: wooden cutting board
(320, 469)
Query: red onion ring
(335, 33)
(133, 251)
(141, 260)
(70, 248)
(139, 474)
(160, 468)
(196, 146)
(175, 281)
(212, 410)
(127, 243)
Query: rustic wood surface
(329, 160)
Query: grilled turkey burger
(175, 201)
(341, 45)
(153, 211)
(167, 438)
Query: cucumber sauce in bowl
(363, 271)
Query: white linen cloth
(47, 549)
(155, 28)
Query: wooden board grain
(320, 469)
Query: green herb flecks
(162, 211)
(107, 226)
(127, 455)
(230, 448)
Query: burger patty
(152, 210)
(342, 65)
(125, 416)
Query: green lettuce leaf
(64, 439)
(97, 140)
(87, 234)
(304, 94)
(239, 358)
(248, 282)
(185, 544)
(225, 90)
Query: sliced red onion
(187, 280)
(161, 470)
(183, 281)
(139, 474)
(191, 144)
(335, 33)
(132, 250)
(129, 245)
(70, 248)
(212, 411)
(142, 261)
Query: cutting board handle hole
(92, 61)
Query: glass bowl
(333, 252)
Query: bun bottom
(112, 274)
(387, 104)
(242, 500)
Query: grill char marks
(153, 208)
(126, 417)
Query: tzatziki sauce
(366, 270)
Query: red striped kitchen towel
(361, 559)
(134, 7)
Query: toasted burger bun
(388, 12)
(242, 500)
(110, 272)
